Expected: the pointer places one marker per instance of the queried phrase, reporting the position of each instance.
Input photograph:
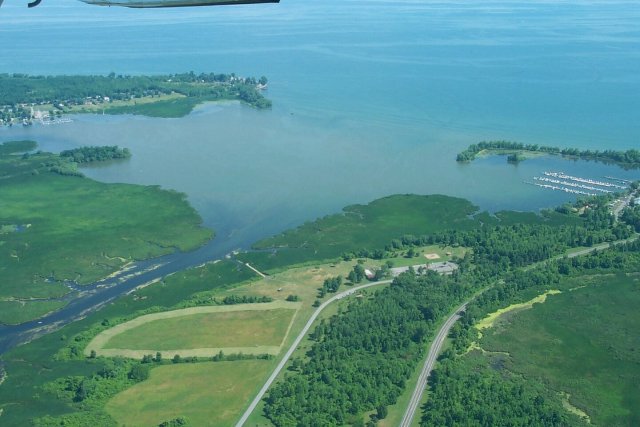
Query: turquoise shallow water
(370, 98)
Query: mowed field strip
(201, 331)
(207, 394)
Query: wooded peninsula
(25, 98)
(517, 151)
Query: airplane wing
(162, 3)
(172, 3)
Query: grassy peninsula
(25, 98)
(57, 225)
(516, 152)
(362, 230)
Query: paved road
(295, 344)
(621, 204)
(599, 247)
(436, 346)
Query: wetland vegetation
(93, 228)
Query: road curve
(295, 344)
(436, 345)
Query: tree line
(629, 158)
(19, 91)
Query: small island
(25, 99)
(517, 152)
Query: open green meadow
(206, 394)
(74, 228)
(242, 328)
(582, 343)
(167, 108)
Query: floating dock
(562, 175)
(55, 121)
(559, 181)
(571, 184)
(625, 181)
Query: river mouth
(251, 174)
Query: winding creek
(91, 297)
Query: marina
(55, 121)
(571, 184)
(555, 187)
(624, 181)
(562, 175)
(559, 181)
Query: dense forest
(462, 395)
(631, 216)
(361, 360)
(20, 91)
(627, 159)
(66, 163)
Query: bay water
(371, 98)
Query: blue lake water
(371, 98)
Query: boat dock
(559, 181)
(624, 181)
(584, 180)
(55, 121)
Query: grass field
(442, 252)
(247, 328)
(583, 343)
(175, 107)
(78, 229)
(231, 329)
(207, 394)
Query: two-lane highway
(436, 346)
